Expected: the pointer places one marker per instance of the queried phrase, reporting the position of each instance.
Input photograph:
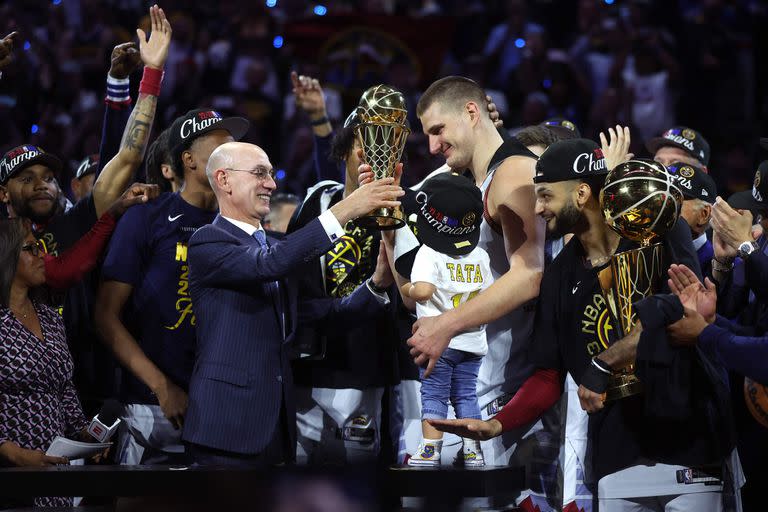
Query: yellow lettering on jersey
(459, 274)
(184, 301)
(478, 274)
(450, 268)
(468, 269)
(181, 251)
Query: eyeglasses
(35, 248)
(260, 172)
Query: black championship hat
(87, 166)
(693, 182)
(21, 157)
(562, 127)
(570, 159)
(684, 138)
(757, 198)
(196, 123)
(450, 213)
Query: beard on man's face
(26, 210)
(565, 221)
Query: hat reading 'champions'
(89, 165)
(757, 198)
(450, 213)
(693, 182)
(684, 138)
(570, 159)
(196, 123)
(22, 157)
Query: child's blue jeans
(454, 376)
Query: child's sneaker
(427, 454)
(472, 453)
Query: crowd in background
(642, 63)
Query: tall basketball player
(453, 115)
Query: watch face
(747, 248)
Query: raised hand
(154, 51)
(308, 95)
(616, 147)
(125, 58)
(724, 253)
(6, 49)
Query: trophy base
(383, 219)
(623, 385)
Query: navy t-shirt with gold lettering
(149, 251)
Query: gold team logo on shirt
(596, 325)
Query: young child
(449, 269)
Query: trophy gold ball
(640, 200)
(382, 130)
(641, 203)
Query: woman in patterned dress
(37, 397)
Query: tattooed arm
(119, 172)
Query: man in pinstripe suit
(241, 409)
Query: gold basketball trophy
(641, 203)
(382, 132)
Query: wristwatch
(747, 248)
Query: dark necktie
(272, 286)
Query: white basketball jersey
(506, 365)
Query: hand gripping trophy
(382, 131)
(641, 203)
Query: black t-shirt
(573, 325)
(356, 356)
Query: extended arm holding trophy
(641, 203)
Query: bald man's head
(228, 156)
(241, 176)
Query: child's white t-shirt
(457, 279)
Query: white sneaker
(427, 454)
(472, 453)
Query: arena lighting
(35, 128)
(271, 3)
(27, 45)
(608, 2)
(320, 10)
(547, 83)
(277, 42)
(56, 2)
(280, 174)
(520, 42)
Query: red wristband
(150, 81)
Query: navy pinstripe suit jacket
(242, 373)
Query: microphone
(104, 425)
